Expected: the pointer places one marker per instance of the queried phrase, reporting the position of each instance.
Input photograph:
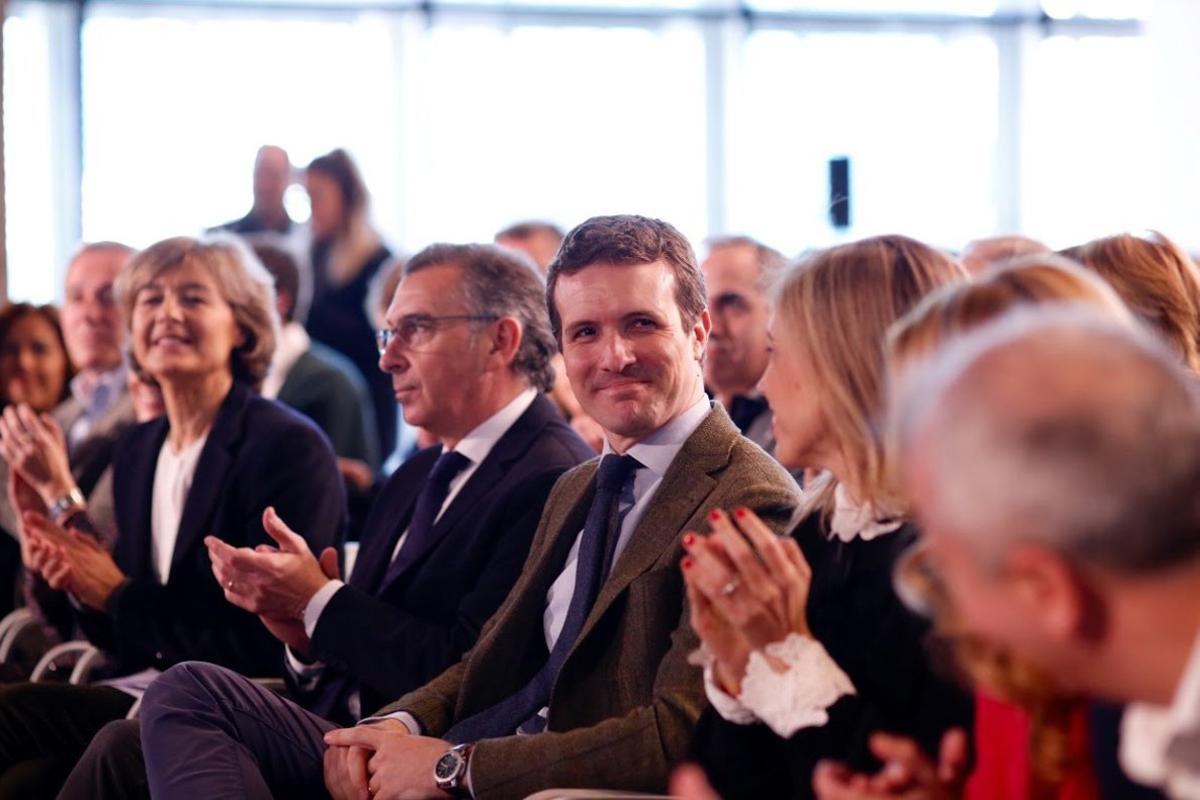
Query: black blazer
(259, 453)
(881, 645)
(385, 639)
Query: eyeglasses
(417, 330)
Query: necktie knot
(614, 471)
(447, 466)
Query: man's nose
(616, 353)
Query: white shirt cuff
(799, 697)
(729, 707)
(408, 719)
(306, 674)
(312, 611)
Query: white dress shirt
(655, 454)
(1160, 746)
(476, 446)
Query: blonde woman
(202, 325)
(1031, 742)
(807, 649)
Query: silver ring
(730, 587)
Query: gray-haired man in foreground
(1054, 462)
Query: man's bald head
(272, 175)
(1059, 429)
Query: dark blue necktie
(596, 548)
(429, 503)
(332, 699)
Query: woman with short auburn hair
(1158, 282)
(202, 326)
(807, 648)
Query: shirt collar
(656, 451)
(479, 442)
(96, 392)
(1157, 741)
(851, 520)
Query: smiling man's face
(632, 360)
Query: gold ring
(730, 587)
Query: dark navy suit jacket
(259, 453)
(386, 638)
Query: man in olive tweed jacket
(626, 699)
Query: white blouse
(172, 481)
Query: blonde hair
(1156, 279)
(240, 278)
(958, 308)
(838, 304)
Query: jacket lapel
(683, 489)
(372, 563)
(212, 473)
(508, 448)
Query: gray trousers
(208, 732)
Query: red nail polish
(689, 539)
(687, 563)
(714, 515)
(741, 513)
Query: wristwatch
(450, 772)
(71, 500)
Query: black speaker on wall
(839, 192)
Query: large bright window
(39, 223)
(176, 105)
(921, 162)
(1089, 136)
(559, 123)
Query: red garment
(1002, 764)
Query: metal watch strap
(72, 499)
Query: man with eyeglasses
(468, 347)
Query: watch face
(446, 767)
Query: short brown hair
(284, 270)
(496, 282)
(626, 240)
(243, 282)
(1157, 280)
(531, 228)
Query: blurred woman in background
(347, 254)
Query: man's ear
(700, 333)
(506, 340)
(1056, 595)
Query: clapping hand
(747, 588)
(273, 582)
(71, 560)
(907, 774)
(35, 447)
